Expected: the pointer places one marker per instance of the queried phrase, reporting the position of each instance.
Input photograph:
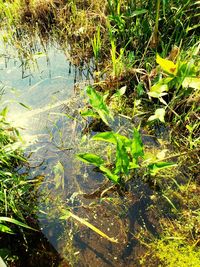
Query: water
(36, 97)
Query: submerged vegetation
(143, 57)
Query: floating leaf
(159, 115)
(167, 65)
(90, 158)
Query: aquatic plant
(98, 106)
(128, 150)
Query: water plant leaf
(89, 225)
(59, 172)
(159, 115)
(90, 158)
(111, 137)
(137, 145)
(133, 164)
(98, 104)
(122, 159)
(156, 167)
(167, 65)
(158, 90)
(111, 176)
(16, 222)
(191, 82)
(89, 113)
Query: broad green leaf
(159, 115)
(158, 90)
(89, 113)
(122, 158)
(137, 145)
(191, 82)
(16, 222)
(90, 158)
(111, 176)
(59, 173)
(111, 137)
(97, 103)
(156, 167)
(5, 229)
(133, 164)
(167, 65)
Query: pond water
(38, 94)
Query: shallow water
(36, 98)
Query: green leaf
(59, 173)
(167, 65)
(120, 92)
(137, 145)
(98, 104)
(111, 137)
(133, 164)
(5, 229)
(89, 113)
(158, 90)
(4, 112)
(191, 82)
(156, 167)
(122, 159)
(111, 176)
(90, 158)
(159, 114)
(138, 12)
(16, 222)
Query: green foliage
(99, 107)
(175, 81)
(13, 187)
(96, 44)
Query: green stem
(157, 17)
